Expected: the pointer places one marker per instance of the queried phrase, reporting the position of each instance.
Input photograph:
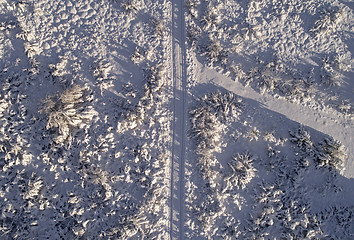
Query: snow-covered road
(179, 120)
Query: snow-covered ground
(271, 92)
(85, 119)
(195, 119)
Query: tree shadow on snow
(278, 157)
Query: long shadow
(325, 187)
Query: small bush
(211, 18)
(328, 21)
(302, 138)
(331, 153)
(131, 6)
(251, 32)
(158, 26)
(67, 112)
(242, 170)
(224, 105)
(193, 34)
(102, 69)
(205, 127)
(329, 76)
(215, 53)
(343, 62)
(192, 5)
(138, 56)
(32, 49)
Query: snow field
(112, 128)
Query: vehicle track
(179, 120)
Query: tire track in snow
(179, 120)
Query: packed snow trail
(326, 121)
(179, 119)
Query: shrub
(192, 5)
(102, 69)
(211, 18)
(32, 49)
(131, 6)
(242, 170)
(193, 34)
(329, 76)
(343, 62)
(159, 27)
(67, 112)
(251, 32)
(205, 128)
(328, 21)
(267, 82)
(215, 53)
(224, 105)
(302, 138)
(138, 56)
(331, 153)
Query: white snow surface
(188, 119)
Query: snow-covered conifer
(67, 112)
(242, 170)
(131, 6)
(331, 153)
(302, 138)
(215, 53)
(158, 25)
(328, 21)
